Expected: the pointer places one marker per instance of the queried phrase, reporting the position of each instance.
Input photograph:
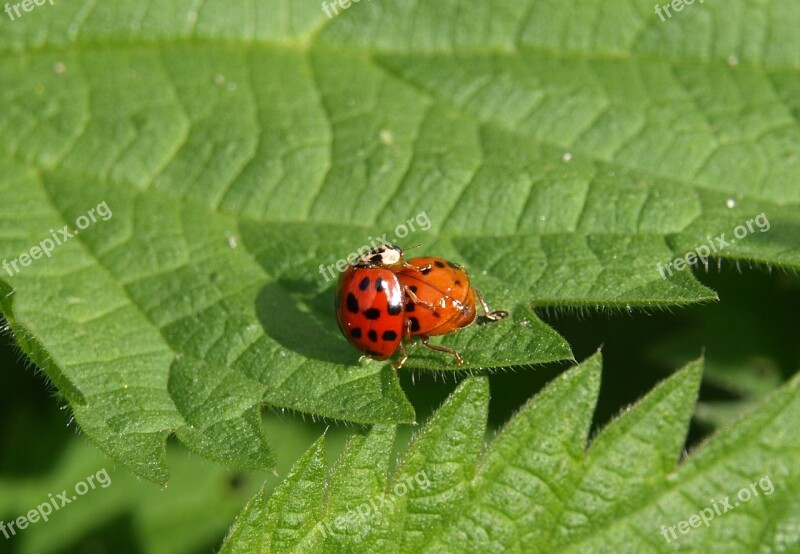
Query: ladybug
(383, 300)
(369, 304)
(440, 300)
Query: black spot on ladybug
(377, 259)
(379, 285)
(352, 303)
(437, 263)
(437, 315)
(389, 335)
(372, 313)
(364, 284)
(458, 283)
(395, 309)
(413, 288)
(414, 322)
(409, 306)
(425, 270)
(373, 336)
(454, 265)
(356, 333)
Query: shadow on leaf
(302, 322)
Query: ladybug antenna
(413, 247)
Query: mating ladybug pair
(383, 300)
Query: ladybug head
(384, 255)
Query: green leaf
(42, 456)
(539, 487)
(561, 157)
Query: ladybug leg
(425, 340)
(424, 268)
(399, 363)
(495, 315)
(407, 334)
(415, 299)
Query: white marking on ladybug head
(391, 255)
(381, 256)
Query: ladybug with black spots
(383, 300)
(440, 300)
(369, 303)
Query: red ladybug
(440, 300)
(369, 304)
(383, 300)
